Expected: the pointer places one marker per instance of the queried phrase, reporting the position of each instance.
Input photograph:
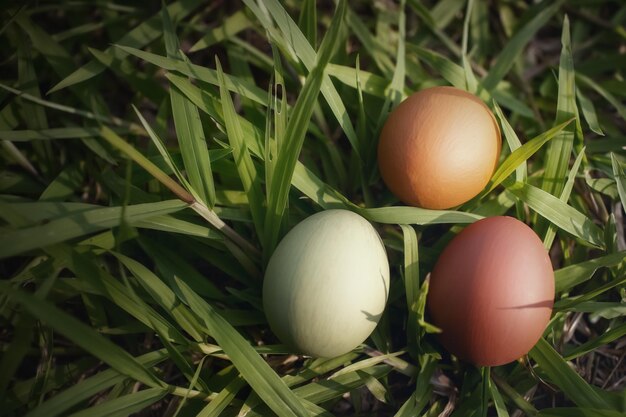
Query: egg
(491, 291)
(439, 148)
(326, 284)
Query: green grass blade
(498, 402)
(189, 129)
(606, 338)
(411, 284)
(307, 21)
(620, 179)
(223, 399)
(251, 366)
(139, 37)
(516, 44)
(124, 405)
(522, 154)
(63, 401)
(245, 167)
(307, 55)
(570, 276)
(84, 336)
(567, 189)
(560, 149)
(615, 102)
(559, 213)
(416, 215)
(560, 373)
(296, 130)
(69, 227)
(589, 112)
(232, 25)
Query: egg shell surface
(326, 284)
(491, 291)
(439, 148)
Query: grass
(152, 158)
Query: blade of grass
(516, 44)
(411, 284)
(124, 405)
(567, 189)
(620, 179)
(307, 55)
(189, 129)
(559, 213)
(233, 24)
(570, 276)
(252, 367)
(245, 167)
(606, 338)
(69, 227)
(63, 401)
(84, 336)
(296, 130)
(307, 21)
(560, 373)
(522, 154)
(140, 36)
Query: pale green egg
(327, 283)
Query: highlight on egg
(326, 284)
(492, 291)
(439, 148)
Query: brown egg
(491, 291)
(439, 148)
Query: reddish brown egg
(491, 291)
(439, 148)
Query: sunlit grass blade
(84, 336)
(251, 366)
(296, 130)
(416, 215)
(245, 167)
(559, 213)
(521, 154)
(411, 284)
(223, 399)
(124, 405)
(307, 21)
(307, 55)
(497, 399)
(140, 36)
(572, 275)
(560, 149)
(189, 129)
(620, 179)
(567, 189)
(18, 241)
(560, 373)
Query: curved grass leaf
(578, 412)
(570, 276)
(232, 25)
(252, 367)
(124, 405)
(189, 131)
(307, 55)
(63, 401)
(620, 179)
(560, 373)
(521, 154)
(559, 213)
(516, 44)
(139, 37)
(75, 225)
(245, 167)
(593, 344)
(296, 130)
(416, 215)
(411, 284)
(84, 336)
